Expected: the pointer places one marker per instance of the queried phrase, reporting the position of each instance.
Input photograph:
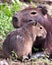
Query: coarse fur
(40, 15)
(21, 40)
(48, 26)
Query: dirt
(32, 62)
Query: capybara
(47, 23)
(41, 15)
(21, 40)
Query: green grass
(6, 13)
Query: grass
(6, 13)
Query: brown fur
(48, 26)
(21, 40)
(40, 15)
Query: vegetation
(6, 13)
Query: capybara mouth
(40, 38)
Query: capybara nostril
(14, 19)
(35, 23)
(33, 13)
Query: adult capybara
(21, 40)
(47, 23)
(41, 15)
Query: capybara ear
(43, 9)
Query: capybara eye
(33, 13)
(40, 27)
(15, 19)
(30, 20)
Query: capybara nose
(14, 19)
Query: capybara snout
(15, 19)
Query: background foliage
(6, 13)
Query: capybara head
(29, 13)
(40, 31)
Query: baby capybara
(21, 40)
